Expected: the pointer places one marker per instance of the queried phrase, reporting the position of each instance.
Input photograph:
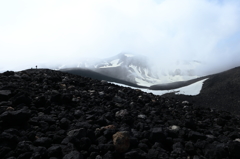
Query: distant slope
(220, 91)
(98, 76)
(175, 85)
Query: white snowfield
(143, 79)
(113, 63)
(192, 89)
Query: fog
(48, 33)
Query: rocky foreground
(50, 114)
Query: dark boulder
(43, 141)
(54, 151)
(21, 99)
(73, 155)
(157, 135)
(5, 94)
(233, 149)
(15, 118)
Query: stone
(177, 145)
(9, 139)
(193, 135)
(117, 99)
(64, 123)
(142, 116)
(54, 151)
(4, 94)
(233, 149)
(23, 146)
(104, 148)
(40, 101)
(157, 135)
(108, 133)
(21, 99)
(66, 98)
(84, 143)
(43, 141)
(121, 113)
(216, 151)
(121, 141)
(131, 154)
(73, 155)
(174, 128)
(189, 148)
(79, 133)
(102, 140)
(136, 153)
(152, 154)
(15, 118)
(78, 113)
(173, 131)
(189, 123)
(108, 155)
(25, 155)
(56, 98)
(185, 102)
(178, 152)
(143, 146)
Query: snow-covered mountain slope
(139, 70)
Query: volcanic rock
(73, 155)
(121, 141)
(51, 114)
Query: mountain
(137, 69)
(132, 68)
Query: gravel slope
(51, 114)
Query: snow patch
(115, 62)
(192, 89)
(143, 82)
(135, 70)
(112, 65)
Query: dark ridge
(99, 76)
(175, 85)
(220, 91)
(52, 114)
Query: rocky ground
(50, 114)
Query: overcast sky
(34, 32)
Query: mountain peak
(129, 55)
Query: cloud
(57, 31)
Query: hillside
(51, 114)
(220, 91)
